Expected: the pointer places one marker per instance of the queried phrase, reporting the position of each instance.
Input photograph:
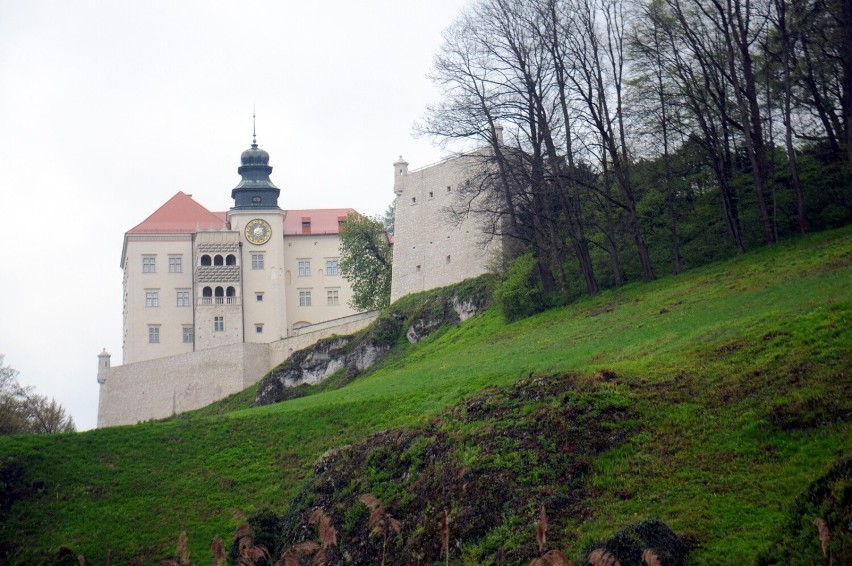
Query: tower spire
(253, 127)
(256, 189)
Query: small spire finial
(253, 127)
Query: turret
(255, 190)
(400, 170)
(103, 366)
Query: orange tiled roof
(315, 221)
(180, 215)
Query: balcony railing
(220, 300)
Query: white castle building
(195, 279)
(214, 300)
(433, 246)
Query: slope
(738, 373)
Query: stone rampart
(163, 387)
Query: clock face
(258, 231)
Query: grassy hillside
(738, 375)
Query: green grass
(739, 372)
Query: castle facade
(215, 300)
(196, 279)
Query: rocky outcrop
(416, 317)
(314, 364)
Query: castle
(214, 300)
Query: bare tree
(23, 411)
(597, 53)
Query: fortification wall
(431, 247)
(163, 387)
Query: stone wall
(432, 246)
(163, 387)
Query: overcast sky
(108, 108)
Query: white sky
(108, 108)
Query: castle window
(413, 200)
(187, 335)
(258, 297)
(152, 298)
(231, 259)
(175, 264)
(418, 268)
(258, 329)
(149, 264)
(218, 324)
(255, 200)
(448, 259)
(431, 194)
(331, 267)
(449, 188)
(230, 296)
(257, 261)
(340, 221)
(218, 260)
(153, 334)
(304, 268)
(219, 293)
(183, 297)
(304, 298)
(333, 296)
(205, 260)
(306, 225)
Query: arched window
(220, 295)
(217, 260)
(207, 296)
(205, 259)
(230, 295)
(231, 260)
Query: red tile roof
(180, 215)
(315, 221)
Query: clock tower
(259, 221)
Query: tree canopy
(623, 140)
(365, 261)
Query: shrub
(520, 293)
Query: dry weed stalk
(445, 536)
(381, 523)
(603, 557)
(249, 553)
(824, 534)
(651, 558)
(287, 558)
(182, 551)
(327, 533)
(81, 559)
(541, 530)
(290, 557)
(551, 558)
(217, 550)
(243, 530)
